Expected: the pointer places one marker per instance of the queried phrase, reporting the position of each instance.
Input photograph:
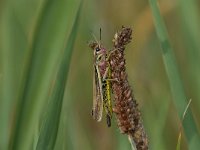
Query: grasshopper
(101, 83)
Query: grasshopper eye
(97, 49)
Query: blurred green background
(44, 57)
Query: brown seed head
(126, 108)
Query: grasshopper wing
(97, 109)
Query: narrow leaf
(176, 85)
(50, 125)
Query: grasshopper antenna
(98, 42)
(94, 38)
(100, 33)
(99, 37)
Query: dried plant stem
(126, 108)
(133, 146)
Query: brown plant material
(126, 108)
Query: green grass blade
(190, 22)
(50, 125)
(13, 42)
(190, 19)
(52, 29)
(176, 86)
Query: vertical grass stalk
(48, 133)
(176, 86)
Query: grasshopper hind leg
(108, 120)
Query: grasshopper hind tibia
(108, 120)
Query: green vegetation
(46, 72)
(176, 85)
